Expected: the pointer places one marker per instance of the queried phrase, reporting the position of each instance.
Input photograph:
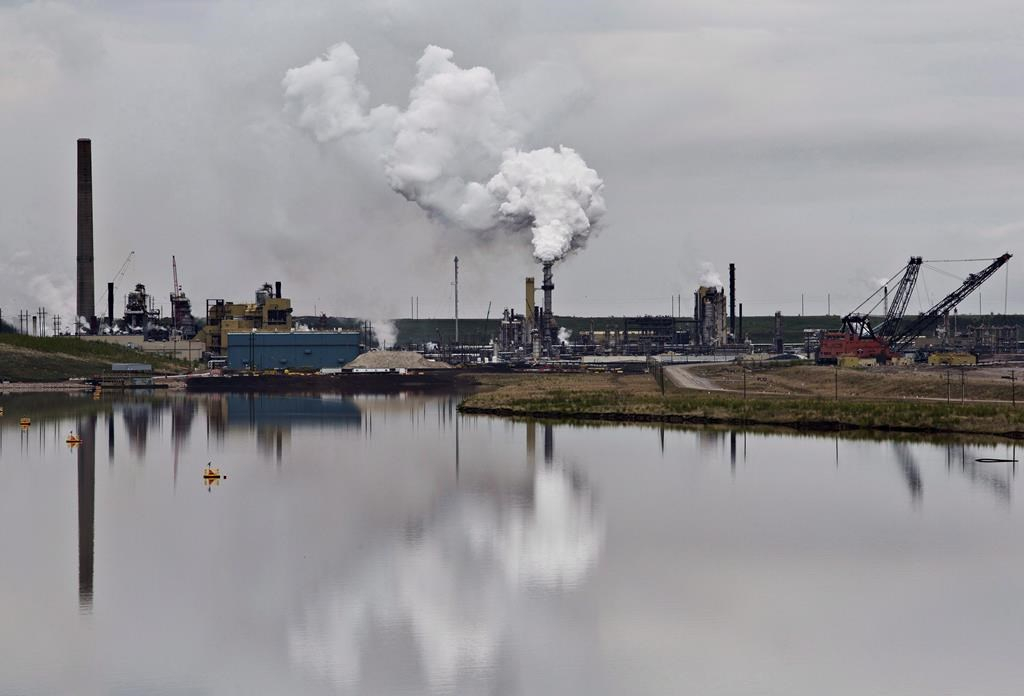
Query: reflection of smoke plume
(454, 150)
(709, 277)
(458, 583)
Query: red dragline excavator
(858, 338)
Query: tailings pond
(387, 545)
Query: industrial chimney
(732, 300)
(277, 289)
(85, 305)
(549, 285)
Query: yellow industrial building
(952, 359)
(270, 312)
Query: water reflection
(489, 546)
(273, 418)
(407, 550)
(86, 508)
(986, 473)
(911, 472)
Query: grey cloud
(721, 131)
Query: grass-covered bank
(36, 359)
(638, 398)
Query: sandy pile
(396, 359)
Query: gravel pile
(393, 359)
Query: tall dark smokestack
(110, 305)
(732, 300)
(549, 318)
(277, 289)
(85, 305)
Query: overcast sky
(817, 144)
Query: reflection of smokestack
(110, 305)
(732, 299)
(531, 443)
(85, 305)
(549, 444)
(86, 509)
(547, 287)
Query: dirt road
(681, 376)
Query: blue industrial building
(297, 350)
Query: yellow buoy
(72, 439)
(211, 473)
(25, 421)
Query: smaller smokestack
(732, 300)
(277, 289)
(110, 305)
(740, 337)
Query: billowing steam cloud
(709, 277)
(454, 151)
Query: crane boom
(898, 342)
(174, 270)
(901, 298)
(120, 272)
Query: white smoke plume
(454, 150)
(709, 277)
(564, 335)
(385, 331)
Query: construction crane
(859, 339)
(119, 276)
(182, 321)
(174, 270)
(901, 340)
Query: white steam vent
(454, 150)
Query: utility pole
(837, 382)
(1013, 386)
(456, 300)
(962, 383)
(42, 320)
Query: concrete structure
(269, 313)
(85, 298)
(531, 307)
(709, 315)
(299, 350)
(732, 301)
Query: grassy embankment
(35, 359)
(639, 398)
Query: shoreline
(639, 399)
(28, 387)
(809, 426)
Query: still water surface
(389, 546)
